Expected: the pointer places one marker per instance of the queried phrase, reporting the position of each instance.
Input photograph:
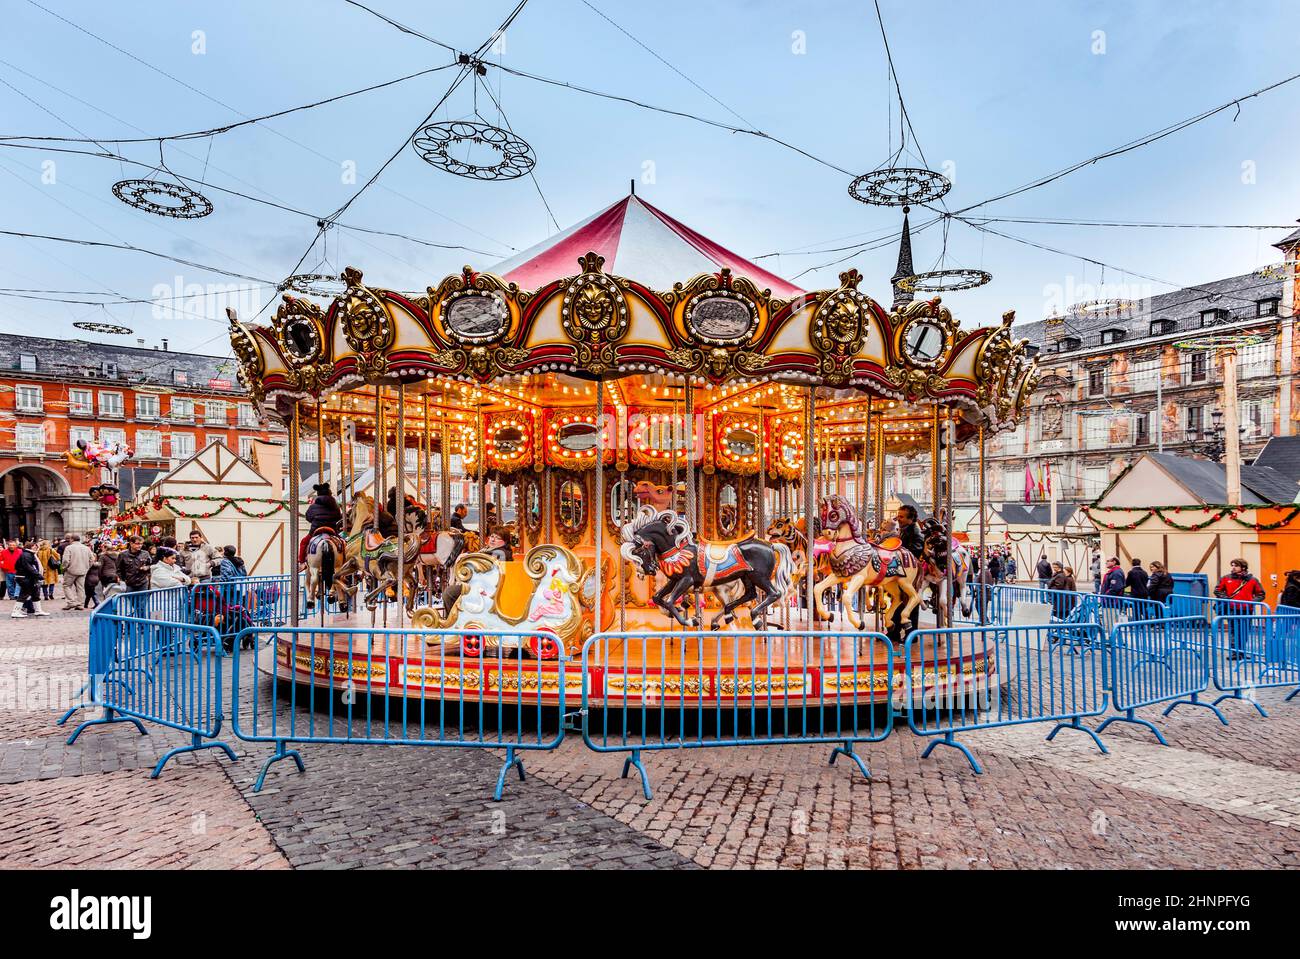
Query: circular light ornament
(945, 281)
(163, 198)
(899, 186)
(437, 142)
(1223, 341)
(111, 329)
(322, 285)
(1104, 308)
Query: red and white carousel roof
(637, 240)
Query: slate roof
(1036, 514)
(136, 365)
(1235, 294)
(1281, 453)
(1207, 480)
(1290, 240)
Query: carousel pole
(400, 478)
(480, 429)
(426, 450)
(950, 527)
(676, 442)
(320, 478)
(810, 496)
(444, 468)
(760, 519)
(598, 514)
(294, 532)
(979, 580)
(381, 470)
(936, 489)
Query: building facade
(1126, 381)
(165, 405)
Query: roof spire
(632, 182)
(905, 268)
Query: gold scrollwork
(594, 314)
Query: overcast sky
(998, 93)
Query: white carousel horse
(856, 563)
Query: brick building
(165, 405)
(1115, 386)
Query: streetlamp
(1211, 444)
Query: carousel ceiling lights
(899, 186)
(945, 281)
(435, 141)
(111, 329)
(163, 198)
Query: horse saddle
(327, 533)
(890, 542)
(720, 560)
(374, 542)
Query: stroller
(211, 608)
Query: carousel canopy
(530, 335)
(636, 240)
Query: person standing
(1044, 569)
(1160, 585)
(133, 568)
(1112, 585)
(92, 582)
(1240, 588)
(1096, 572)
(27, 572)
(198, 557)
(49, 558)
(77, 558)
(8, 561)
(108, 579)
(231, 566)
(166, 573)
(1137, 581)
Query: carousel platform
(652, 667)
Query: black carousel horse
(661, 542)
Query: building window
(180, 378)
(1096, 382)
(246, 448)
(108, 371)
(29, 399)
(1200, 367)
(78, 433)
(246, 414)
(1095, 479)
(110, 404)
(111, 438)
(81, 403)
(1255, 360)
(1142, 432)
(182, 409)
(146, 406)
(30, 438)
(1013, 485)
(27, 362)
(1096, 432)
(1213, 317)
(148, 444)
(360, 456)
(1195, 419)
(1111, 336)
(412, 460)
(1142, 375)
(214, 412)
(182, 446)
(1257, 418)
(1160, 327)
(1266, 307)
(1070, 343)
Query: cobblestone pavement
(1216, 797)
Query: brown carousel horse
(856, 563)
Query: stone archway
(31, 492)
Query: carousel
(644, 423)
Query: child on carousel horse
(324, 515)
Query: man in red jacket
(8, 563)
(1241, 586)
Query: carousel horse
(792, 535)
(661, 542)
(325, 553)
(555, 608)
(938, 546)
(652, 494)
(439, 550)
(856, 563)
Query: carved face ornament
(593, 306)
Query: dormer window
(1070, 343)
(1266, 307)
(1113, 335)
(1161, 327)
(1213, 317)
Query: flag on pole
(1042, 488)
(1029, 484)
(1049, 478)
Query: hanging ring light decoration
(112, 329)
(1223, 341)
(945, 281)
(163, 198)
(323, 285)
(899, 186)
(435, 142)
(1108, 308)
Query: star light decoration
(434, 143)
(899, 186)
(111, 329)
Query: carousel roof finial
(902, 294)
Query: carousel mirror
(532, 507)
(577, 437)
(621, 505)
(727, 510)
(572, 509)
(742, 443)
(790, 450)
(301, 339)
(509, 440)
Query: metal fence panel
(1254, 652)
(684, 690)
(159, 672)
(399, 687)
(1158, 661)
(978, 677)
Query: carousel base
(672, 668)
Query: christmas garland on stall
(220, 503)
(1221, 511)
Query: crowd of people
(88, 573)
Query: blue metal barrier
(233, 605)
(1158, 661)
(1254, 652)
(1208, 607)
(979, 677)
(158, 672)
(388, 687)
(688, 690)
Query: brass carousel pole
(979, 580)
(760, 519)
(294, 532)
(426, 451)
(444, 468)
(597, 514)
(320, 478)
(936, 489)
(810, 495)
(480, 429)
(950, 527)
(381, 470)
(399, 447)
